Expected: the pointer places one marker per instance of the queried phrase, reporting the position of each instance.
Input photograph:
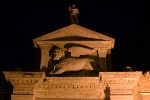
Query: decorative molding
(113, 85)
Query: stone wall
(108, 86)
(23, 84)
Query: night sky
(124, 20)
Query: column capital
(102, 53)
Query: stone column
(102, 58)
(108, 61)
(44, 58)
(44, 55)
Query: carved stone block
(122, 84)
(70, 87)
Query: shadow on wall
(107, 93)
(6, 88)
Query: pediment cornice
(73, 31)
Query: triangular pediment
(74, 33)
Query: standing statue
(74, 12)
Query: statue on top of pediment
(74, 12)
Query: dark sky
(124, 20)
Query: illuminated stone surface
(144, 86)
(75, 37)
(23, 84)
(122, 84)
(70, 88)
(109, 85)
(79, 41)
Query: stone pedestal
(123, 85)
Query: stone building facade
(79, 41)
(106, 86)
